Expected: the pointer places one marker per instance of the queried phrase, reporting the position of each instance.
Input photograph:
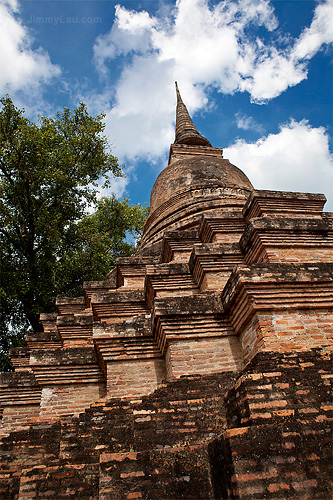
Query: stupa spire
(186, 133)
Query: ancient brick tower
(200, 367)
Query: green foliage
(97, 240)
(13, 325)
(48, 243)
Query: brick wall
(204, 356)
(261, 433)
(17, 417)
(294, 254)
(135, 378)
(301, 330)
(282, 331)
(146, 449)
(279, 442)
(68, 399)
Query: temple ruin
(200, 367)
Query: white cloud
(22, 68)
(276, 70)
(295, 159)
(118, 188)
(248, 123)
(320, 32)
(200, 46)
(130, 32)
(272, 74)
(140, 123)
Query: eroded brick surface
(260, 433)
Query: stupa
(199, 368)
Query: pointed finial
(179, 97)
(186, 133)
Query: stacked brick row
(249, 435)
(118, 448)
(279, 438)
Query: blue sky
(256, 76)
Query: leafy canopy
(49, 244)
(97, 240)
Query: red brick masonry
(199, 368)
(261, 433)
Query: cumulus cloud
(129, 33)
(320, 32)
(295, 159)
(118, 187)
(201, 46)
(140, 123)
(22, 68)
(245, 122)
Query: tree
(48, 178)
(97, 240)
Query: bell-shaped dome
(196, 172)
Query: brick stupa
(200, 367)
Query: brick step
(60, 482)
(175, 473)
(285, 464)
(71, 305)
(161, 419)
(101, 429)
(285, 392)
